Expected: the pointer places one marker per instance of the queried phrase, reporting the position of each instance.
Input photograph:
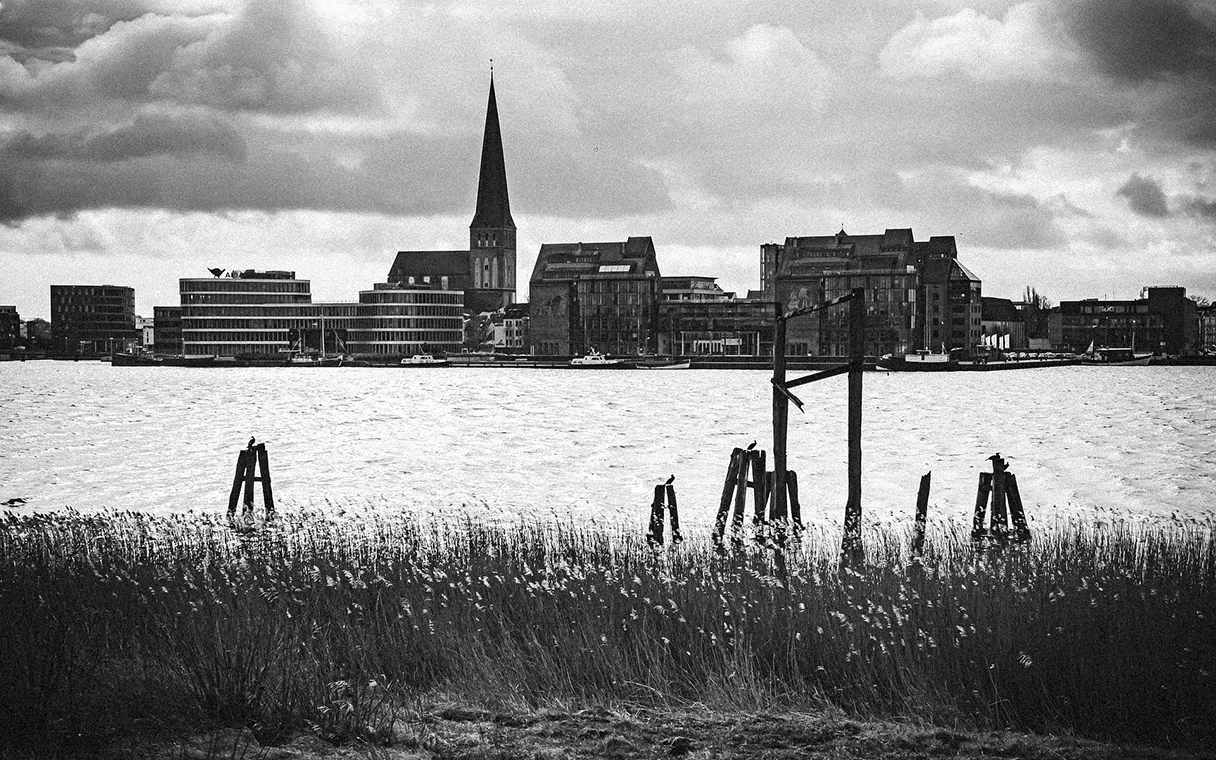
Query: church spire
(493, 205)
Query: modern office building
(1206, 337)
(918, 295)
(257, 314)
(93, 319)
(1163, 320)
(167, 338)
(10, 328)
(392, 319)
(601, 296)
(486, 271)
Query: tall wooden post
(728, 490)
(1000, 523)
(267, 493)
(922, 514)
(674, 514)
(656, 516)
(981, 506)
(780, 417)
(242, 461)
(851, 547)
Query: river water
(504, 443)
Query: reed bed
(124, 623)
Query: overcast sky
(1067, 145)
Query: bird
(215, 271)
(670, 480)
(251, 442)
(751, 445)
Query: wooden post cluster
(663, 492)
(247, 462)
(1002, 486)
(747, 470)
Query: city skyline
(1068, 145)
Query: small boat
(920, 361)
(1114, 357)
(302, 359)
(424, 360)
(665, 365)
(595, 360)
(137, 359)
(198, 360)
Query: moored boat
(124, 359)
(424, 360)
(595, 360)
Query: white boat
(299, 355)
(595, 360)
(424, 360)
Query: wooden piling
(741, 483)
(237, 480)
(780, 416)
(267, 492)
(981, 506)
(1021, 529)
(728, 489)
(250, 466)
(851, 546)
(759, 485)
(674, 514)
(656, 516)
(791, 484)
(922, 514)
(999, 524)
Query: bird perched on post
(751, 445)
(250, 443)
(670, 480)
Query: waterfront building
(92, 319)
(1163, 321)
(10, 328)
(1002, 324)
(601, 296)
(257, 314)
(1206, 317)
(682, 289)
(918, 294)
(722, 327)
(147, 330)
(167, 338)
(486, 271)
(394, 319)
(510, 329)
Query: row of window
(229, 285)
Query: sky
(1067, 145)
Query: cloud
(1201, 208)
(1022, 46)
(1145, 196)
(148, 135)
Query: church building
(486, 271)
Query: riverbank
(122, 626)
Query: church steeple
(493, 205)
(492, 233)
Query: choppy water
(1136, 440)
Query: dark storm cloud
(142, 167)
(1169, 44)
(148, 135)
(1139, 40)
(1199, 207)
(1145, 196)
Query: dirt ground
(451, 733)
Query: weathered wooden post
(780, 416)
(267, 493)
(851, 546)
(759, 485)
(728, 489)
(981, 506)
(922, 514)
(656, 516)
(999, 524)
(1020, 528)
(741, 482)
(674, 513)
(791, 483)
(238, 480)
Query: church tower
(492, 233)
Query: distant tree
(1036, 311)
(37, 334)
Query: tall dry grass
(126, 623)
